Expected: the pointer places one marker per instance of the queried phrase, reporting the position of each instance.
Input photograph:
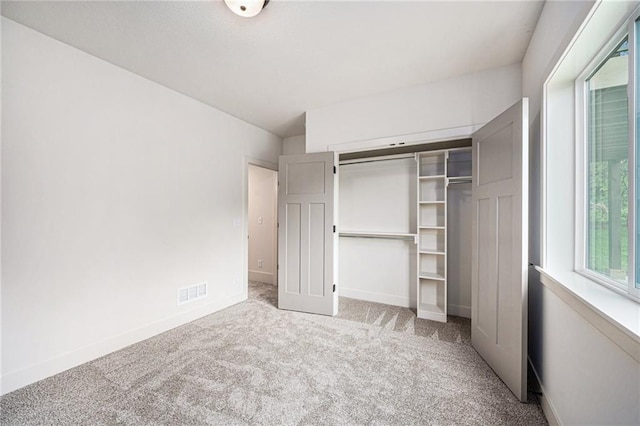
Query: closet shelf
(431, 202)
(383, 235)
(432, 252)
(431, 227)
(432, 177)
(431, 276)
(459, 179)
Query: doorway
(262, 209)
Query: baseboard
(459, 311)
(263, 277)
(369, 296)
(17, 379)
(547, 407)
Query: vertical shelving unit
(432, 235)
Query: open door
(499, 250)
(307, 235)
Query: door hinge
(335, 170)
(334, 288)
(334, 229)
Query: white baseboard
(459, 311)
(263, 277)
(20, 378)
(547, 407)
(369, 296)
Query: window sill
(615, 315)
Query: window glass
(607, 170)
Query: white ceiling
(295, 55)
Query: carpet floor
(390, 318)
(254, 364)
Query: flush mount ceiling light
(246, 8)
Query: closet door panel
(500, 231)
(317, 226)
(293, 224)
(307, 241)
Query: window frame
(628, 29)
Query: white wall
(115, 192)
(470, 99)
(263, 205)
(586, 378)
(294, 145)
(556, 26)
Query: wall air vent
(191, 293)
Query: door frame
(251, 161)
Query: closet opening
(405, 226)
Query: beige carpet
(254, 364)
(391, 318)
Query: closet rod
(374, 159)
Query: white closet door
(307, 238)
(499, 257)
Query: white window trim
(581, 161)
(633, 143)
(616, 317)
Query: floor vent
(191, 293)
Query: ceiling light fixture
(246, 8)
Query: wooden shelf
(431, 308)
(383, 235)
(436, 252)
(453, 180)
(431, 276)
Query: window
(610, 171)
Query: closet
(405, 225)
(409, 227)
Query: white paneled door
(307, 235)
(499, 250)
